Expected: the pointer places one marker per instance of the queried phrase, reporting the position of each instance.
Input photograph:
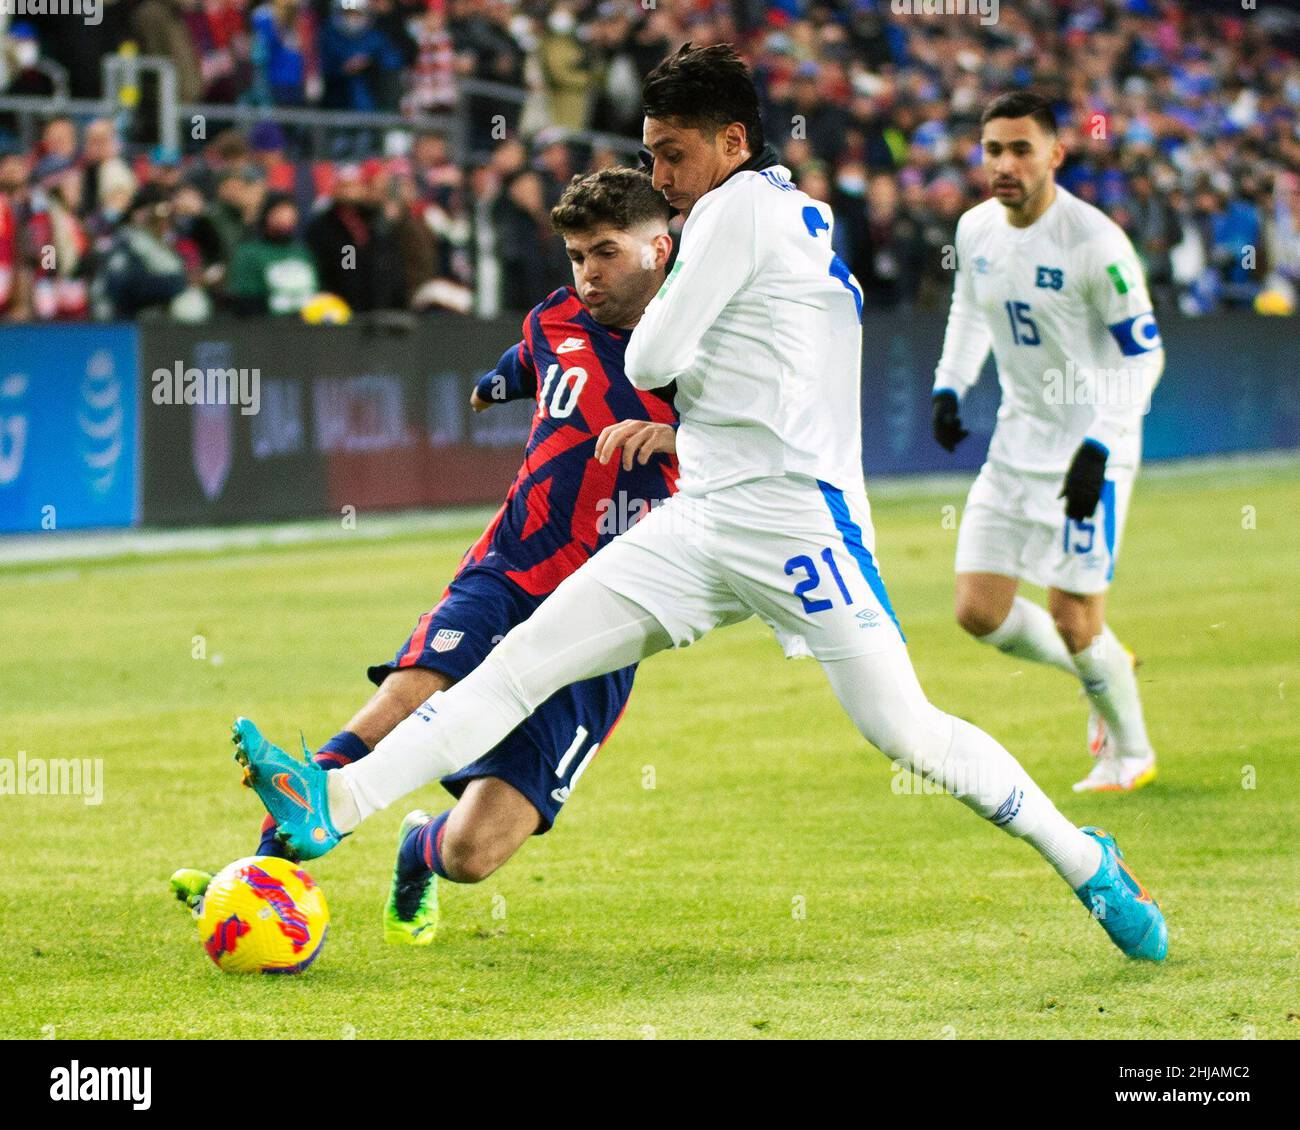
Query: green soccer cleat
(411, 913)
(292, 789)
(188, 885)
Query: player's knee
(472, 855)
(1072, 628)
(410, 687)
(978, 618)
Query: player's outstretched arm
(639, 440)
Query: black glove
(1083, 481)
(946, 421)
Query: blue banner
(69, 432)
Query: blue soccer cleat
(1122, 905)
(293, 791)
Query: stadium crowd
(1181, 121)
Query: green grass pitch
(737, 863)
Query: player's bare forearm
(477, 403)
(638, 439)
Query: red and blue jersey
(563, 505)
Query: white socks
(1011, 799)
(881, 694)
(444, 734)
(1029, 632)
(1104, 668)
(1108, 679)
(583, 630)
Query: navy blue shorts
(547, 754)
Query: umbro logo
(868, 616)
(569, 344)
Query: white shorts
(1014, 525)
(797, 553)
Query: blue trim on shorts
(1108, 501)
(851, 532)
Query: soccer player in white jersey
(1054, 288)
(759, 326)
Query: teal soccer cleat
(293, 791)
(1122, 905)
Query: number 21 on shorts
(812, 580)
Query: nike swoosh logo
(281, 782)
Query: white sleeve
(1118, 294)
(966, 340)
(716, 259)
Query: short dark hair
(705, 88)
(1021, 104)
(617, 198)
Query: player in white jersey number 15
(1054, 288)
(759, 328)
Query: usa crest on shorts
(445, 639)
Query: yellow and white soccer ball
(263, 915)
(325, 309)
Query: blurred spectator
(567, 71)
(554, 162)
(15, 275)
(107, 182)
(283, 52)
(487, 49)
(436, 174)
(891, 261)
(429, 241)
(241, 190)
(142, 270)
(58, 139)
(225, 151)
(272, 271)
(218, 29)
(57, 241)
(432, 77)
(353, 247)
(25, 73)
(532, 257)
(1284, 238)
(360, 63)
(1151, 223)
(160, 27)
(630, 40)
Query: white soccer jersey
(759, 324)
(1064, 306)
